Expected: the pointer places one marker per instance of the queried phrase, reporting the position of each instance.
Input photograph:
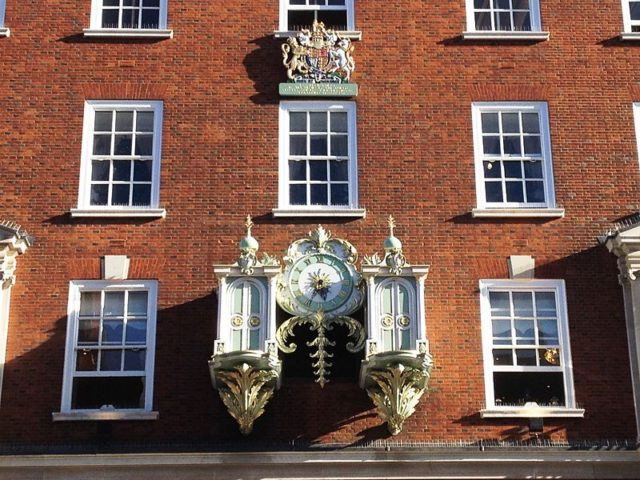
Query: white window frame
(413, 314)
(628, 33)
(284, 207)
(4, 32)
(5, 300)
(227, 327)
(284, 14)
(75, 289)
(636, 121)
(515, 209)
(96, 29)
(493, 410)
(535, 33)
(85, 209)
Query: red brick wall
(218, 79)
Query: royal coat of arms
(319, 55)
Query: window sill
(352, 34)
(498, 35)
(534, 412)
(630, 36)
(103, 416)
(5, 32)
(127, 33)
(118, 213)
(517, 213)
(320, 212)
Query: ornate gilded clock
(320, 276)
(320, 287)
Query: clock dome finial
(392, 243)
(248, 243)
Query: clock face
(320, 281)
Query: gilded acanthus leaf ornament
(396, 391)
(321, 324)
(246, 394)
(319, 55)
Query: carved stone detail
(246, 393)
(397, 390)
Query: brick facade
(218, 78)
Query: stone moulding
(395, 382)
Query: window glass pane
(483, 21)
(513, 169)
(103, 122)
(339, 194)
(492, 170)
(124, 121)
(297, 122)
(87, 360)
(100, 170)
(254, 339)
(318, 145)
(111, 3)
(144, 145)
(501, 329)
(255, 300)
(526, 357)
(318, 170)
(387, 294)
(515, 193)
(522, 304)
(403, 301)
(136, 332)
(137, 303)
(90, 303)
(339, 170)
(548, 332)
(144, 122)
(520, 4)
(535, 192)
(300, 19)
(335, 19)
(298, 145)
(502, 357)
(532, 145)
(510, 123)
(318, 121)
(546, 304)
(634, 8)
(297, 170)
(116, 392)
(339, 146)
(493, 191)
(502, 4)
(482, 4)
(512, 146)
(530, 123)
(101, 144)
(110, 360)
(112, 331)
(525, 332)
(503, 21)
(521, 21)
(130, 18)
(405, 339)
(150, 18)
(110, 18)
(491, 145)
(339, 122)
(114, 304)
(134, 359)
(319, 195)
(518, 388)
(99, 194)
(298, 194)
(122, 170)
(490, 123)
(387, 339)
(141, 195)
(533, 169)
(122, 145)
(142, 170)
(236, 339)
(237, 299)
(88, 331)
(153, 3)
(120, 195)
(499, 302)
